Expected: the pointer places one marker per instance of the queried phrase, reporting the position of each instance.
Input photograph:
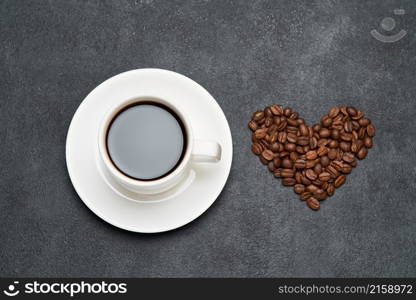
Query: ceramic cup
(197, 151)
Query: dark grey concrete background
(310, 55)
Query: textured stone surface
(310, 55)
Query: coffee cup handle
(206, 151)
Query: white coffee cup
(196, 151)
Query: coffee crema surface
(146, 140)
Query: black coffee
(146, 140)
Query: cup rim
(103, 150)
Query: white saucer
(130, 211)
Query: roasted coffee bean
(290, 147)
(362, 153)
(316, 127)
(335, 134)
(333, 144)
(354, 146)
(303, 140)
(324, 132)
(321, 196)
(260, 133)
(277, 110)
(291, 129)
(292, 138)
(305, 180)
(340, 153)
(282, 125)
(337, 164)
(274, 147)
(287, 173)
(359, 115)
(317, 182)
(303, 130)
(283, 154)
(287, 111)
(333, 112)
(269, 121)
(258, 115)
(287, 163)
(257, 148)
(312, 188)
(324, 161)
(264, 144)
(338, 124)
(311, 174)
(267, 154)
(298, 177)
(263, 160)
(273, 137)
(331, 170)
(346, 137)
(293, 156)
(345, 146)
(282, 137)
(354, 135)
(355, 125)
(272, 129)
(349, 157)
(253, 125)
(277, 173)
(305, 196)
(346, 169)
(313, 203)
(317, 168)
(322, 151)
(371, 131)
(314, 159)
(300, 164)
(368, 142)
(362, 132)
(330, 189)
(364, 122)
(310, 164)
(311, 155)
(332, 154)
(324, 176)
(313, 142)
(311, 132)
(293, 121)
(326, 121)
(340, 181)
(277, 162)
(288, 181)
(351, 111)
(267, 112)
(323, 142)
(267, 138)
(348, 126)
(299, 188)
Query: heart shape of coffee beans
(316, 159)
